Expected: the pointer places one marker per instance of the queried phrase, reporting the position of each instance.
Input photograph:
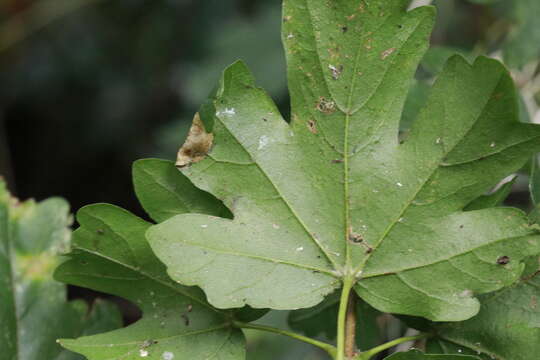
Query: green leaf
(523, 43)
(322, 319)
(508, 325)
(164, 192)
(33, 307)
(110, 254)
(496, 198)
(333, 195)
(437, 56)
(417, 355)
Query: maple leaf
(335, 196)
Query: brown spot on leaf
(337, 161)
(355, 237)
(312, 126)
(197, 144)
(503, 260)
(326, 106)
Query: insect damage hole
(503, 260)
(326, 106)
(197, 144)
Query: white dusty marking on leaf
(197, 144)
(143, 353)
(301, 248)
(399, 184)
(167, 355)
(386, 53)
(227, 111)
(438, 141)
(263, 141)
(492, 145)
(275, 226)
(290, 36)
(336, 71)
(204, 226)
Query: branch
(366, 355)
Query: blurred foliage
(89, 86)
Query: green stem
(366, 355)
(330, 349)
(342, 334)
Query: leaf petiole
(366, 355)
(342, 334)
(330, 349)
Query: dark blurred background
(89, 86)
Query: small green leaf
(496, 198)
(417, 355)
(110, 254)
(164, 192)
(437, 56)
(33, 307)
(334, 194)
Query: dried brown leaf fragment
(197, 144)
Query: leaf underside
(507, 326)
(33, 307)
(110, 254)
(334, 194)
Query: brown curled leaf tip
(196, 146)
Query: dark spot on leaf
(312, 126)
(503, 260)
(264, 119)
(344, 29)
(100, 231)
(355, 238)
(186, 319)
(461, 226)
(337, 161)
(369, 250)
(400, 26)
